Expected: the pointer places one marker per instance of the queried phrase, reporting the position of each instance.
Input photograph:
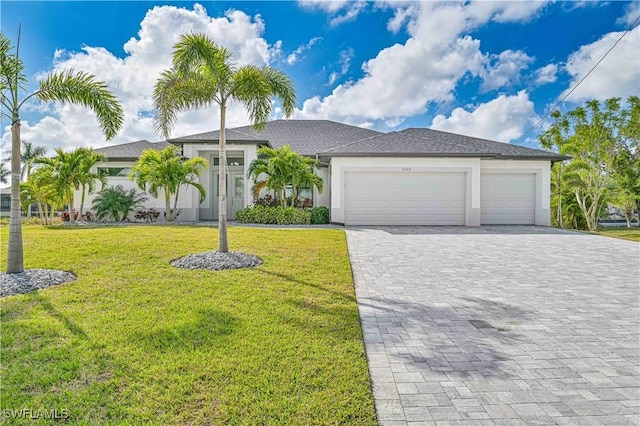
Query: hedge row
(283, 215)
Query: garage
(507, 198)
(397, 198)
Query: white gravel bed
(32, 279)
(216, 261)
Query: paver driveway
(499, 325)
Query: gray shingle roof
(131, 150)
(472, 144)
(308, 137)
(399, 143)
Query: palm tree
(4, 172)
(165, 170)
(66, 174)
(204, 75)
(77, 88)
(86, 177)
(282, 168)
(116, 202)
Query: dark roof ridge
(359, 140)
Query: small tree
(165, 170)
(279, 168)
(86, 177)
(4, 173)
(117, 203)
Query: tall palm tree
(28, 155)
(77, 88)
(165, 170)
(204, 75)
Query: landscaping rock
(32, 279)
(216, 261)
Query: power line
(580, 82)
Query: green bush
(319, 215)
(274, 215)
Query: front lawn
(136, 341)
(632, 234)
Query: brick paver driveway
(499, 325)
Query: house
(415, 176)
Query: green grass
(632, 234)
(136, 341)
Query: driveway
(499, 325)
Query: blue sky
(487, 69)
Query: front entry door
(235, 191)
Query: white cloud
(339, 11)
(502, 119)
(403, 79)
(296, 55)
(546, 74)
(617, 75)
(504, 69)
(345, 63)
(631, 13)
(132, 78)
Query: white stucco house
(416, 176)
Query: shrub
(65, 215)
(116, 203)
(274, 215)
(267, 201)
(319, 215)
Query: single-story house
(416, 176)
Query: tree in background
(77, 88)
(86, 177)
(594, 135)
(167, 171)
(204, 75)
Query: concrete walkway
(499, 325)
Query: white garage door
(389, 198)
(507, 198)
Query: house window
(5, 202)
(230, 161)
(114, 171)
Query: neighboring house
(412, 177)
(5, 202)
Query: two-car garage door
(430, 198)
(396, 198)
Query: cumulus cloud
(339, 11)
(403, 79)
(502, 119)
(296, 55)
(504, 69)
(546, 74)
(617, 75)
(132, 77)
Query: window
(114, 171)
(230, 161)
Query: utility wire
(580, 82)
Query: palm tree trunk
(41, 214)
(167, 201)
(15, 256)
(81, 201)
(175, 203)
(72, 218)
(223, 243)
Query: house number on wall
(406, 169)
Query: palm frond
(80, 88)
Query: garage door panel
(508, 198)
(389, 198)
